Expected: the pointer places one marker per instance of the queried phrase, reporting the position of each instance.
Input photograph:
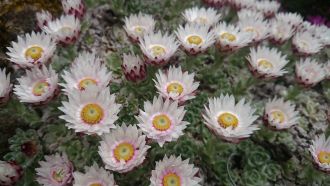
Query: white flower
(320, 150)
(94, 176)
(158, 48)
(137, 25)
(305, 44)
(201, 16)
(327, 69)
(55, 171)
(162, 120)
(74, 7)
(66, 29)
(268, 8)
(43, 18)
(280, 31)
(231, 122)
(5, 85)
(280, 114)
(133, 67)
(87, 69)
(174, 171)
(38, 86)
(230, 38)
(292, 19)
(176, 85)
(91, 111)
(195, 38)
(266, 63)
(123, 149)
(323, 34)
(248, 13)
(258, 28)
(10, 173)
(32, 49)
(309, 72)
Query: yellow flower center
(158, 50)
(265, 64)
(227, 120)
(92, 114)
(303, 44)
(139, 30)
(66, 30)
(58, 175)
(84, 83)
(194, 40)
(324, 157)
(228, 36)
(124, 151)
(175, 88)
(161, 122)
(34, 52)
(278, 116)
(171, 179)
(40, 88)
(95, 184)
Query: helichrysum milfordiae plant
(178, 73)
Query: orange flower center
(34, 52)
(40, 88)
(194, 40)
(92, 114)
(324, 157)
(84, 83)
(161, 122)
(175, 88)
(227, 120)
(171, 179)
(124, 151)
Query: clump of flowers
(137, 25)
(133, 67)
(309, 72)
(201, 16)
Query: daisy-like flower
(304, 44)
(230, 38)
(258, 28)
(133, 67)
(38, 86)
(240, 4)
(123, 149)
(215, 3)
(137, 25)
(173, 171)
(195, 38)
(74, 7)
(292, 19)
(309, 72)
(32, 49)
(87, 69)
(323, 34)
(43, 18)
(10, 173)
(266, 63)
(201, 16)
(162, 120)
(280, 32)
(91, 111)
(245, 13)
(268, 8)
(55, 171)
(5, 86)
(231, 122)
(280, 115)
(94, 176)
(176, 85)
(320, 150)
(65, 30)
(158, 48)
